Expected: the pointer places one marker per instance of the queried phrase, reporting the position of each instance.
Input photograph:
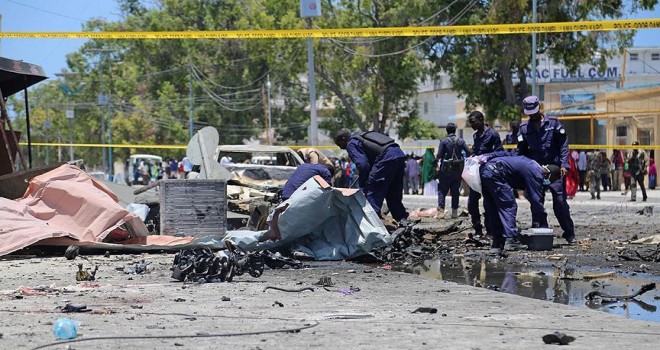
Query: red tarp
(68, 207)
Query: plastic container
(538, 238)
(65, 328)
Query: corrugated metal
(195, 208)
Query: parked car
(268, 166)
(259, 155)
(262, 171)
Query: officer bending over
(381, 166)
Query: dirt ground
(604, 229)
(364, 308)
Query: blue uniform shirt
(548, 145)
(516, 169)
(511, 139)
(447, 145)
(486, 142)
(303, 173)
(355, 149)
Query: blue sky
(69, 15)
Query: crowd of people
(145, 172)
(623, 171)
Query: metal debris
(603, 297)
(647, 253)
(85, 275)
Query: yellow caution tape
(485, 29)
(100, 145)
(295, 147)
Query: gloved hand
(481, 159)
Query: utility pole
(70, 111)
(270, 125)
(47, 125)
(103, 101)
(309, 9)
(191, 122)
(534, 49)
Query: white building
(614, 107)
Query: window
(622, 135)
(426, 108)
(655, 57)
(644, 136)
(634, 56)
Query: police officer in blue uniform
(451, 157)
(303, 173)
(501, 174)
(544, 140)
(486, 140)
(512, 137)
(381, 166)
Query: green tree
(491, 71)
(374, 78)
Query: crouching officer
(303, 173)
(500, 175)
(544, 140)
(381, 166)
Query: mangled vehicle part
(645, 253)
(321, 222)
(202, 265)
(602, 297)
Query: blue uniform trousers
(448, 182)
(561, 208)
(473, 209)
(386, 183)
(500, 202)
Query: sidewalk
(377, 316)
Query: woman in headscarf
(573, 178)
(653, 174)
(429, 167)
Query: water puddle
(543, 283)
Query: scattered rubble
(646, 253)
(558, 338)
(86, 275)
(603, 297)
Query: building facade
(615, 106)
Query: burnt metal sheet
(18, 75)
(14, 185)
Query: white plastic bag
(471, 174)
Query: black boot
(512, 244)
(496, 246)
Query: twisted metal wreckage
(67, 207)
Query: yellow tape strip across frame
(99, 145)
(486, 29)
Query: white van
(134, 161)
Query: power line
(456, 18)
(46, 11)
